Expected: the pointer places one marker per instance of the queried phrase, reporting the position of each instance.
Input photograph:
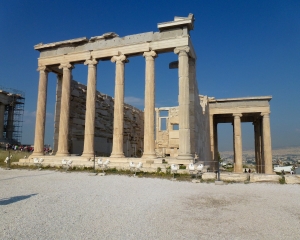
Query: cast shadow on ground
(6, 201)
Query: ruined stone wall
(133, 123)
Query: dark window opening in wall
(164, 113)
(175, 126)
(163, 124)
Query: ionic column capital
(66, 65)
(119, 59)
(150, 55)
(90, 62)
(182, 50)
(265, 114)
(43, 68)
(237, 115)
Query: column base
(34, 154)
(87, 155)
(238, 169)
(185, 157)
(149, 155)
(117, 155)
(62, 154)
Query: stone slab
(292, 179)
(234, 177)
(208, 176)
(255, 177)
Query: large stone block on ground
(254, 177)
(234, 177)
(292, 179)
(209, 176)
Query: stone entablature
(104, 114)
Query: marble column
(41, 112)
(216, 152)
(238, 165)
(212, 140)
(57, 111)
(63, 135)
(2, 110)
(117, 150)
(184, 104)
(193, 111)
(257, 145)
(149, 121)
(267, 148)
(89, 130)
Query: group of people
(16, 147)
(21, 148)
(249, 171)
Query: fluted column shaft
(63, 135)
(238, 164)
(2, 110)
(89, 130)
(216, 152)
(212, 140)
(257, 144)
(149, 141)
(57, 110)
(267, 148)
(184, 104)
(117, 149)
(41, 112)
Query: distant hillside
(276, 152)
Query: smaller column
(2, 110)
(117, 151)
(63, 135)
(257, 145)
(216, 152)
(89, 130)
(212, 140)
(238, 165)
(267, 148)
(149, 141)
(41, 112)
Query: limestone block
(255, 177)
(174, 134)
(292, 179)
(209, 176)
(235, 177)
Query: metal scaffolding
(13, 115)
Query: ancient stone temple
(88, 122)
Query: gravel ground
(55, 205)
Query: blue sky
(244, 48)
